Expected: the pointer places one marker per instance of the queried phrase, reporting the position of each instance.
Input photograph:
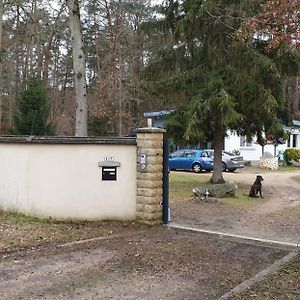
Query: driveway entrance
(275, 217)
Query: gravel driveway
(276, 216)
(138, 263)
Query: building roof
(296, 123)
(156, 114)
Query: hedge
(291, 155)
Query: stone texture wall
(270, 163)
(149, 175)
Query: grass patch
(240, 199)
(296, 178)
(288, 168)
(18, 231)
(181, 185)
(296, 210)
(292, 211)
(256, 169)
(284, 284)
(14, 217)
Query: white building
(253, 151)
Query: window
(178, 153)
(190, 154)
(244, 143)
(294, 140)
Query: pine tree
(33, 111)
(224, 83)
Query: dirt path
(150, 264)
(270, 217)
(34, 278)
(280, 190)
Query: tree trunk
(48, 48)
(17, 76)
(79, 68)
(39, 51)
(120, 93)
(296, 97)
(1, 64)
(114, 19)
(217, 176)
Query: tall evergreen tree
(33, 111)
(224, 84)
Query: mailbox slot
(109, 173)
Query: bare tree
(79, 68)
(36, 42)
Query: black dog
(256, 188)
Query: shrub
(33, 110)
(247, 163)
(291, 155)
(236, 152)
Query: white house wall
(252, 153)
(64, 181)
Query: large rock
(216, 190)
(268, 161)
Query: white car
(230, 161)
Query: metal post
(165, 203)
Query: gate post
(166, 210)
(149, 175)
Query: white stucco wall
(63, 181)
(253, 153)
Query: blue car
(195, 160)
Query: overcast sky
(157, 1)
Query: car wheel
(232, 170)
(197, 168)
(224, 167)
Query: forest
(129, 51)
(36, 43)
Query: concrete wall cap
(150, 130)
(108, 163)
(68, 140)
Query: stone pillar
(149, 175)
